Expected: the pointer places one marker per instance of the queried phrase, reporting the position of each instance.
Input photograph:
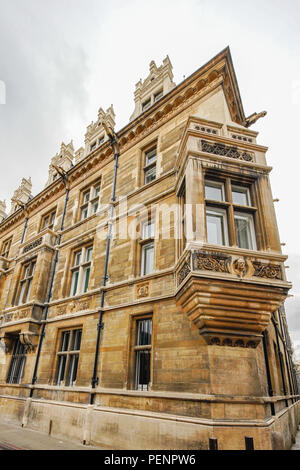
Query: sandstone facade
(194, 349)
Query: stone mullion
(230, 214)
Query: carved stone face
(240, 266)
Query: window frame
(17, 363)
(140, 348)
(66, 357)
(82, 267)
(52, 215)
(145, 243)
(6, 246)
(26, 281)
(231, 209)
(148, 167)
(93, 191)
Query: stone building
(142, 290)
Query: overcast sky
(62, 59)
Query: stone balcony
(46, 238)
(230, 296)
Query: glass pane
(148, 230)
(84, 213)
(146, 105)
(148, 259)
(77, 258)
(61, 369)
(72, 369)
(142, 369)
(240, 196)
(86, 277)
(89, 253)
(74, 283)
(94, 207)
(28, 291)
(150, 156)
(150, 174)
(158, 96)
(214, 191)
(243, 232)
(76, 340)
(65, 341)
(22, 291)
(86, 197)
(97, 190)
(215, 229)
(144, 332)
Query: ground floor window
(143, 354)
(68, 357)
(17, 364)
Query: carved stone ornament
(183, 273)
(143, 290)
(225, 151)
(29, 339)
(210, 262)
(269, 271)
(240, 267)
(33, 245)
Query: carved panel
(211, 262)
(143, 290)
(33, 245)
(225, 151)
(184, 272)
(269, 271)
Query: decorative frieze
(183, 273)
(33, 245)
(217, 148)
(269, 271)
(210, 262)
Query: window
(48, 220)
(158, 95)
(93, 146)
(17, 364)
(90, 201)
(244, 228)
(216, 227)
(68, 357)
(150, 165)
(146, 105)
(229, 214)
(81, 271)
(26, 282)
(143, 354)
(6, 247)
(147, 248)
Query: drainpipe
(42, 335)
(116, 150)
(280, 360)
(270, 389)
(288, 365)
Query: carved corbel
(29, 339)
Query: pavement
(14, 437)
